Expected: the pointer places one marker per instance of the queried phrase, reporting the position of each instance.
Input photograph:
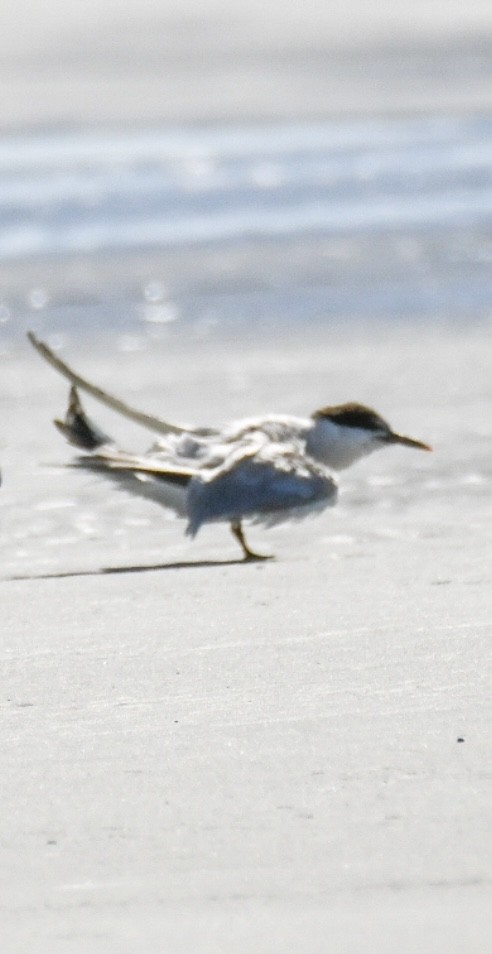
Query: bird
(266, 469)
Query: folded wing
(267, 484)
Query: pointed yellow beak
(408, 442)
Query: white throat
(339, 446)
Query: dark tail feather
(78, 429)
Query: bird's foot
(249, 555)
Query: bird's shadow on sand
(119, 570)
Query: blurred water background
(219, 226)
(222, 166)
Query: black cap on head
(354, 415)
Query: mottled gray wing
(259, 484)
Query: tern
(266, 469)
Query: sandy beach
(199, 753)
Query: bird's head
(346, 432)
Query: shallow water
(246, 225)
(65, 193)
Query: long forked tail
(152, 423)
(103, 454)
(78, 429)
